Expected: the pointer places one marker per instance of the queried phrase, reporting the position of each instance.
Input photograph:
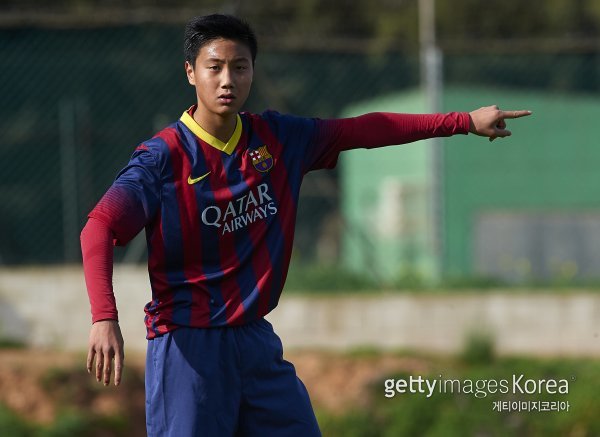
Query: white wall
(48, 307)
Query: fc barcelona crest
(261, 159)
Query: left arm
(383, 129)
(380, 129)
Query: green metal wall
(382, 239)
(550, 164)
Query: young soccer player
(217, 193)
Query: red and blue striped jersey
(220, 217)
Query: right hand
(106, 343)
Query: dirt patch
(21, 375)
(37, 383)
(338, 382)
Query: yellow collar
(227, 147)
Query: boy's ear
(189, 71)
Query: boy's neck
(219, 126)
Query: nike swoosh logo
(192, 181)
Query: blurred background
(466, 251)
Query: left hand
(489, 121)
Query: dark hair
(201, 30)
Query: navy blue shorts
(224, 382)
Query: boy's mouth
(226, 98)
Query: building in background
(522, 209)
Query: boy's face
(222, 76)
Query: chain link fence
(76, 102)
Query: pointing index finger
(515, 114)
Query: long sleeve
(97, 251)
(380, 129)
(133, 198)
(384, 129)
(126, 207)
